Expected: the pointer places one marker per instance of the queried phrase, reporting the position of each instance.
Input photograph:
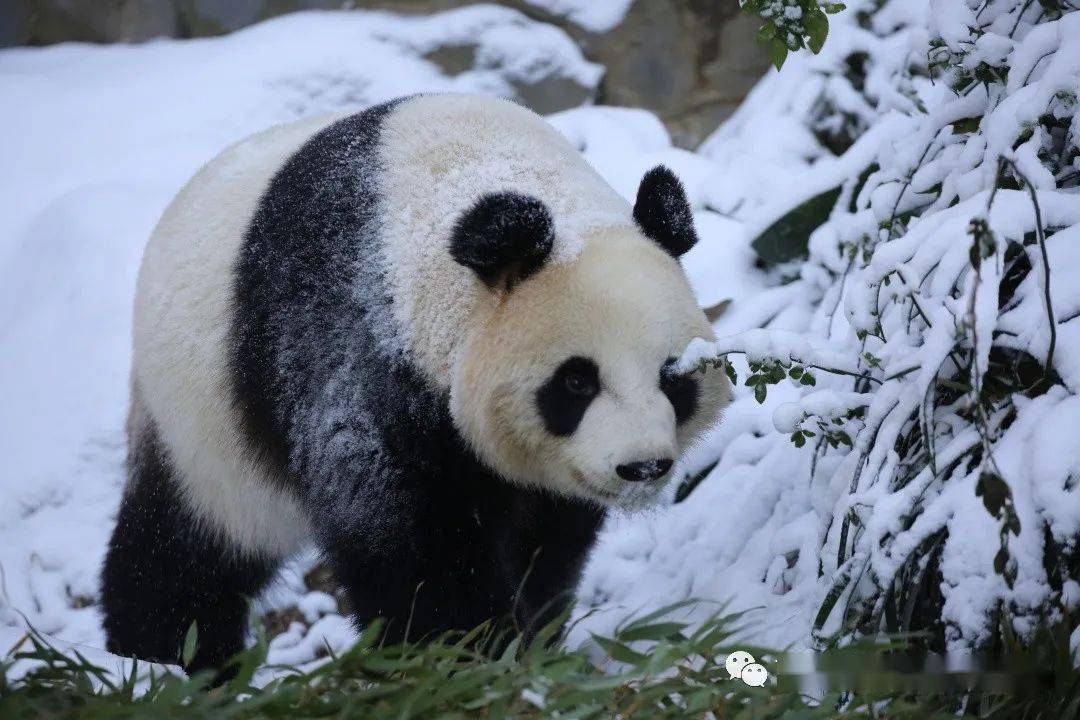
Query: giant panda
(427, 337)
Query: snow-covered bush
(792, 24)
(939, 427)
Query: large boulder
(44, 22)
(689, 61)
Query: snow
(97, 139)
(300, 644)
(597, 17)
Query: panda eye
(681, 392)
(567, 394)
(579, 384)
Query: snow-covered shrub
(939, 373)
(792, 24)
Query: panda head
(563, 383)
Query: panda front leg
(420, 563)
(164, 570)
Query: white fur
(625, 304)
(182, 320)
(607, 293)
(440, 154)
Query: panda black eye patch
(564, 398)
(681, 392)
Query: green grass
(681, 675)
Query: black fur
(663, 213)
(564, 398)
(504, 238)
(681, 391)
(163, 571)
(417, 529)
(312, 227)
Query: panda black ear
(662, 212)
(505, 237)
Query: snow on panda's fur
(428, 337)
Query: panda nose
(644, 470)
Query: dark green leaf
(817, 28)
(1001, 560)
(994, 492)
(730, 370)
(776, 374)
(787, 238)
(652, 631)
(777, 52)
(966, 125)
(191, 640)
(620, 651)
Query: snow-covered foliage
(789, 25)
(930, 481)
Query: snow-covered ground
(97, 139)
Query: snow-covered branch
(945, 338)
